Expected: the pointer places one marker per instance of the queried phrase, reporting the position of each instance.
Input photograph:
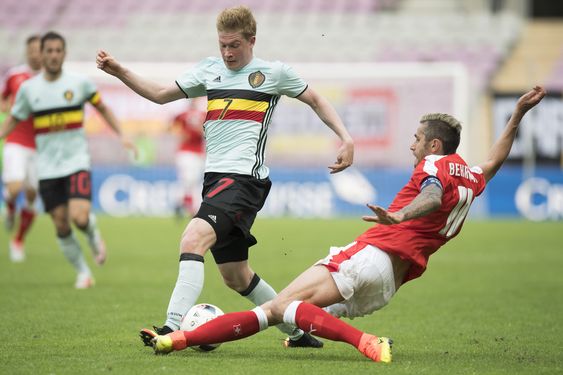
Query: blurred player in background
(242, 92)
(190, 157)
(360, 278)
(55, 99)
(18, 161)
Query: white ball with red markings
(200, 314)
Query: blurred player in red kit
(18, 169)
(190, 157)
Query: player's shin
(26, 219)
(95, 240)
(228, 327)
(318, 322)
(260, 292)
(72, 252)
(188, 288)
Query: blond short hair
(444, 127)
(237, 19)
(449, 120)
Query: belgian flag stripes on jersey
(61, 118)
(57, 108)
(238, 105)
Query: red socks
(26, 219)
(318, 322)
(11, 207)
(238, 325)
(228, 327)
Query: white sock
(260, 292)
(93, 232)
(290, 312)
(187, 290)
(72, 252)
(262, 317)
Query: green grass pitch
(490, 303)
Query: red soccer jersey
(23, 133)
(415, 240)
(191, 123)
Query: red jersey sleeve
(23, 134)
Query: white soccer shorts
(364, 276)
(189, 168)
(19, 165)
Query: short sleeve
(290, 84)
(90, 91)
(192, 82)
(481, 182)
(21, 109)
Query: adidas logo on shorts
(213, 217)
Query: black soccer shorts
(230, 205)
(57, 191)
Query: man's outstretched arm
(148, 89)
(501, 148)
(328, 115)
(426, 202)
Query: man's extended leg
(319, 322)
(196, 239)
(236, 326)
(17, 249)
(317, 287)
(85, 220)
(71, 248)
(228, 327)
(10, 193)
(95, 240)
(10, 218)
(27, 215)
(187, 290)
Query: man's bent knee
(13, 189)
(197, 238)
(81, 221)
(237, 283)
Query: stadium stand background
(501, 48)
(506, 46)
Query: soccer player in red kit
(190, 157)
(18, 169)
(361, 277)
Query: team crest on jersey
(69, 95)
(256, 79)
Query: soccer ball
(198, 315)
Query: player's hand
(530, 99)
(106, 62)
(383, 216)
(344, 159)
